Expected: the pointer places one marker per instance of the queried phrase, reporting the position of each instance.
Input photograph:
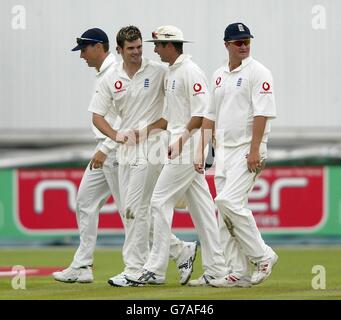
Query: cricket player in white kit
(100, 178)
(134, 91)
(242, 105)
(186, 100)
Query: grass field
(291, 278)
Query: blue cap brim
(79, 47)
(83, 45)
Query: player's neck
(234, 64)
(173, 58)
(131, 68)
(101, 60)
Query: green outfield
(292, 277)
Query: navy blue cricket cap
(237, 31)
(91, 36)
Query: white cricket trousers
(95, 188)
(239, 234)
(137, 182)
(175, 181)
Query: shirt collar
(144, 64)
(181, 58)
(245, 62)
(108, 61)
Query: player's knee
(156, 204)
(225, 205)
(81, 202)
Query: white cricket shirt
(112, 119)
(187, 96)
(138, 101)
(237, 97)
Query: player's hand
(174, 150)
(121, 137)
(135, 136)
(131, 137)
(254, 163)
(97, 160)
(199, 163)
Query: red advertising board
(283, 198)
(289, 198)
(47, 201)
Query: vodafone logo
(266, 86)
(218, 80)
(118, 85)
(197, 87)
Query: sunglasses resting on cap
(82, 40)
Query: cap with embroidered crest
(237, 31)
(167, 34)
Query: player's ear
(118, 50)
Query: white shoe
(185, 262)
(204, 280)
(120, 280)
(232, 280)
(70, 275)
(146, 277)
(263, 269)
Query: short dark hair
(106, 47)
(129, 33)
(177, 45)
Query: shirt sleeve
(263, 95)
(107, 146)
(210, 112)
(102, 100)
(198, 92)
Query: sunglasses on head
(239, 43)
(85, 40)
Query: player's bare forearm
(155, 127)
(258, 128)
(192, 126)
(253, 158)
(102, 125)
(207, 133)
(175, 149)
(160, 124)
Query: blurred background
(46, 139)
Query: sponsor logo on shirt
(146, 83)
(197, 89)
(118, 85)
(217, 81)
(239, 82)
(173, 85)
(266, 88)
